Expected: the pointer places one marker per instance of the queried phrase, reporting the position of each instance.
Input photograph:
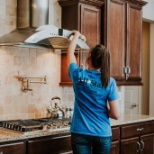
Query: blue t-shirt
(90, 115)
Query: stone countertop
(8, 135)
(130, 119)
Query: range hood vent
(33, 30)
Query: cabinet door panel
(147, 144)
(13, 148)
(134, 35)
(129, 146)
(53, 145)
(116, 37)
(115, 133)
(65, 80)
(115, 148)
(90, 24)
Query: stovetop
(36, 125)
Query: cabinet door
(50, 145)
(90, 24)
(134, 36)
(65, 80)
(147, 144)
(115, 147)
(116, 36)
(13, 148)
(84, 16)
(130, 146)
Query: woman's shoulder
(112, 81)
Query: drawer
(137, 129)
(13, 148)
(115, 133)
(50, 145)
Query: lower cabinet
(50, 145)
(13, 147)
(115, 147)
(115, 140)
(147, 142)
(130, 146)
(138, 145)
(138, 138)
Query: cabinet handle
(128, 70)
(142, 145)
(138, 147)
(140, 129)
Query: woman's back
(90, 110)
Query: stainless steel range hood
(33, 30)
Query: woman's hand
(79, 35)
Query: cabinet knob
(140, 129)
(134, 105)
(1, 152)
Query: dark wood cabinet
(13, 147)
(130, 146)
(84, 16)
(138, 138)
(138, 145)
(65, 80)
(147, 143)
(122, 35)
(115, 147)
(57, 144)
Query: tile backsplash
(15, 61)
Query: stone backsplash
(14, 61)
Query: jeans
(85, 144)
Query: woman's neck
(90, 67)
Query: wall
(145, 67)
(14, 103)
(148, 15)
(33, 62)
(151, 107)
(148, 11)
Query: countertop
(7, 135)
(130, 119)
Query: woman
(96, 98)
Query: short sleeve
(113, 94)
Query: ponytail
(100, 58)
(105, 68)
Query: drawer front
(53, 145)
(137, 129)
(115, 133)
(13, 148)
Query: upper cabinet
(115, 23)
(122, 34)
(84, 16)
